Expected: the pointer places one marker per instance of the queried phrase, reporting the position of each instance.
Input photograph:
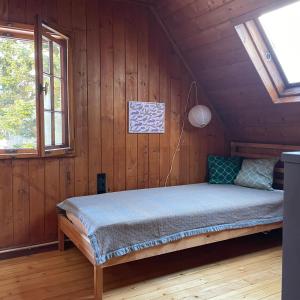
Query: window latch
(268, 56)
(44, 88)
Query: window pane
(58, 129)
(282, 29)
(57, 94)
(47, 93)
(56, 60)
(48, 128)
(17, 94)
(46, 56)
(59, 85)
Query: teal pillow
(223, 170)
(257, 173)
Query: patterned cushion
(256, 173)
(223, 170)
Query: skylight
(282, 29)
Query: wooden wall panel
(114, 61)
(52, 193)
(6, 204)
(64, 16)
(66, 178)
(37, 200)
(175, 128)
(204, 32)
(94, 109)
(164, 94)
(131, 42)
(107, 92)
(119, 109)
(154, 69)
(33, 8)
(143, 93)
(185, 144)
(80, 95)
(21, 207)
(16, 10)
(194, 170)
(4, 9)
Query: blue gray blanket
(122, 222)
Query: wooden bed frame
(250, 150)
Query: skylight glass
(282, 28)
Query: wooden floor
(246, 268)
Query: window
(35, 111)
(53, 88)
(281, 28)
(273, 44)
(18, 130)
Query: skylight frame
(264, 59)
(274, 55)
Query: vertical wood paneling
(203, 152)
(194, 147)
(119, 99)
(64, 8)
(49, 11)
(131, 94)
(33, 8)
(107, 92)
(37, 201)
(52, 183)
(6, 204)
(153, 97)
(16, 10)
(185, 144)
(120, 54)
(21, 201)
(66, 178)
(164, 92)
(175, 129)
(94, 114)
(4, 9)
(143, 95)
(175, 115)
(80, 96)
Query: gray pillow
(256, 173)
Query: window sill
(13, 155)
(60, 153)
(293, 91)
(286, 99)
(63, 152)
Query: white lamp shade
(200, 116)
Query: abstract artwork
(146, 117)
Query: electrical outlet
(101, 183)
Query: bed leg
(61, 240)
(98, 282)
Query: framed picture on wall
(146, 117)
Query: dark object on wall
(291, 236)
(101, 183)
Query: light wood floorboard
(247, 268)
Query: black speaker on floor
(101, 183)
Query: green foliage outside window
(17, 94)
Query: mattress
(77, 223)
(122, 222)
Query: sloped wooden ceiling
(204, 32)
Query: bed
(144, 223)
